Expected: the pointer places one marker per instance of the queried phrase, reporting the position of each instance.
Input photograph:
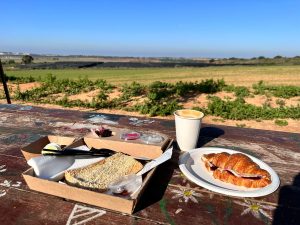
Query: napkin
(50, 167)
(54, 167)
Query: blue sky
(179, 28)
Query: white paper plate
(193, 168)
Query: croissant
(237, 169)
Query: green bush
(239, 110)
(21, 80)
(185, 88)
(210, 86)
(281, 122)
(132, 90)
(283, 91)
(280, 102)
(102, 96)
(157, 108)
(103, 84)
(239, 91)
(159, 90)
(259, 88)
(51, 85)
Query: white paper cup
(188, 124)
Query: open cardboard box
(129, 148)
(86, 196)
(135, 148)
(35, 148)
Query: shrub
(210, 86)
(283, 91)
(278, 57)
(280, 102)
(50, 78)
(239, 110)
(281, 122)
(239, 91)
(20, 79)
(157, 108)
(159, 90)
(103, 84)
(102, 96)
(184, 88)
(132, 90)
(27, 59)
(259, 88)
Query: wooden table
(170, 197)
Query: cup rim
(189, 118)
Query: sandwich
(99, 175)
(237, 169)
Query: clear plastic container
(130, 135)
(126, 185)
(152, 138)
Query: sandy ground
(198, 100)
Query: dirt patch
(225, 95)
(88, 96)
(58, 96)
(260, 100)
(23, 87)
(115, 94)
(201, 100)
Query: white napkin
(54, 167)
(50, 167)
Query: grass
(236, 75)
(162, 88)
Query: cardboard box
(86, 196)
(130, 148)
(35, 148)
(136, 148)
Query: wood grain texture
(170, 198)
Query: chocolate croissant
(237, 169)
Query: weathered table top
(170, 198)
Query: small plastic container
(126, 185)
(152, 138)
(130, 135)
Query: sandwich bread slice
(99, 175)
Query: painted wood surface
(170, 198)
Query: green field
(237, 75)
(246, 93)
